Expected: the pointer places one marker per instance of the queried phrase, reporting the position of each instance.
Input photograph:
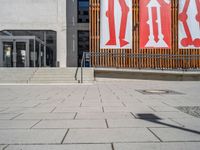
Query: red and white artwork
(116, 24)
(155, 23)
(189, 23)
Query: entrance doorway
(15, 53)
(22, 51)
(27, 48)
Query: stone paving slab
(113, 104)
(14, 110)
(106, 115)
(29, 104)
(78, 109)
(174, 134)
(151, 102)
(164, 109)
(157, 146)
(89, 108)
(2, 109)
(31, 136)
(128, 109)
(181, 102)
(188, 122)
(2, 146)
(165, 115)
(39, 110)
(8, 116)
(134, 123)
(65, 124)
(110, 135)
(61, 147)
(67, 104)
(14, 124)
(46, 116)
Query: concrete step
(52, 79)
(44, 75)
(13, 81)
(51, 82)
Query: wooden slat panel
(114, 57)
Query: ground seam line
(35, 124)
(64, 136)
(155, 135)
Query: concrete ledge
(114, 73)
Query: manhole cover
(156, 91)
(190, 110)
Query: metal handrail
(140, 56)
(82, 63)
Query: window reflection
(83, 11)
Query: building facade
(161, 34)
(40, 33)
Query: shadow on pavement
(154, 119)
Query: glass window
(83, 44)
(83, 11)
(40, 54)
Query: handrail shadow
(76, 74)
(155, 119)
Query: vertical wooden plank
(116, 58)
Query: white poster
(116, 24)
(189, 23)
(155, 24)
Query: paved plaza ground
(113, 115)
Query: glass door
(21, 53)
(15, 53)
(8, 54)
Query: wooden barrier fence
(173, 58)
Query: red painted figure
(183, 18)
(111, 20)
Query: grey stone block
(110, 135)
(7, 116)
(2, 146)
(61, 147)
(164, 108)
(128, 109)
(14, 110)
(31, 136)
(112, 104)
(175, 134)
(106, 115)
(14, 124)
(59, 124)
(188, 122)
(46, 116)
(39, 110)
(157, 146)
(165, 115)
(78, 109)
(133, 123)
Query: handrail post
(81, 74)
(83, 58)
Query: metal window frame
(25, 39)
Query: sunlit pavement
(101, 116)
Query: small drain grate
(155, 91)
(191, 110)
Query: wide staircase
(45, 75)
